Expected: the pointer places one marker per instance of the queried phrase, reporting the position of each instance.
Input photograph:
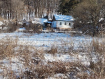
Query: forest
(18, 9)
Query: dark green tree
(66, 6)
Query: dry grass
(25, 54)
(35, 66)
(53, 50)
(51, 68)
(98, 68)
(7, 46)
(13, 27)
(1, 19)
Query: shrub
(43, 71)
(53, 50)
(13, 27)
(34, 28)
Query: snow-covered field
(46, 41)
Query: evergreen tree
(66, 6)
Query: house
(62, 22)
(47, 24)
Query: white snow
(20, 29)
(49, 39)
(101, 19)
(60, 57)
(39, 21)
(64, 17)
(46, 41)
(1, 23)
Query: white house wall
(62, 25)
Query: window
(69, 24)
(65, 23)
(60, 23)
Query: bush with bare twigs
(34, 28)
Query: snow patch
(1, 23)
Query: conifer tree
(66, 6)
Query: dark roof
(63, 18)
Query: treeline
(27, 9)
(67, 6)
(89, 14)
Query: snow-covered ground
(46, 41)
(49, 39)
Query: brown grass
(50, 69)
(1, 19)
(7, 46)
(36, 68)
(53, 50)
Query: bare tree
(17, 7)
(11, 9)
(90, 12)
